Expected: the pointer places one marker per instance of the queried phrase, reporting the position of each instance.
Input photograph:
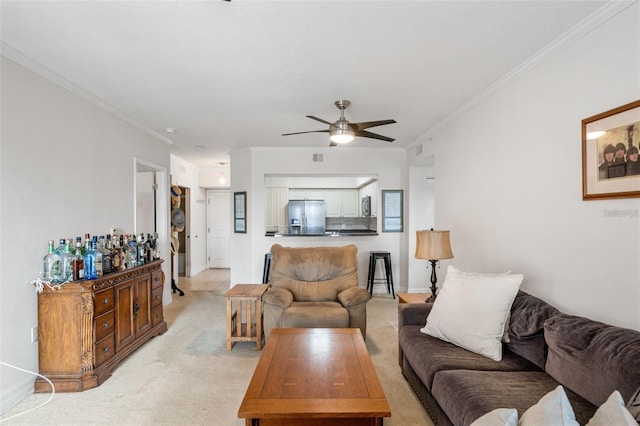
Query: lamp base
(434, 280)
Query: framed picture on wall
(392, 211)
(610, 145)
(240, 212)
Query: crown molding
(597, 18)
(34, 66)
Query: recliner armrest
(353, 296)
(278, 296)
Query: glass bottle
(78, 262)
(51, 265)
(116, 253)
(66, 257)
(106, 256)
(133, 252)
(90, 263)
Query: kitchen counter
(340, 233)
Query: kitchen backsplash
(338, 223)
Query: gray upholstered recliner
(314, 287)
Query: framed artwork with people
(610, 159)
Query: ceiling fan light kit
(342, 131)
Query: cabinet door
(315, 194)
(332, 202)
(276, 209)
(125, 333)
(270, 211)
(297, 194)
(349, 203)
(282, 201)
(142, 304)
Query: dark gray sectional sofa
(546, 348)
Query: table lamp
(433, 246)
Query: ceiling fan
(342, 131)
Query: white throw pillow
(498, 417)
(553, 409)
(612, 413)
(471, 310)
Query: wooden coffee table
(314, 376)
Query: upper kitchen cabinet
(306, 194)
(341, 202)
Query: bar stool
(385, 256)
(267, 267)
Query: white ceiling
(229, 75)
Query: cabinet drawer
(105, 349)
(103, 302)
(104, 325)
(156, 315)
(156, 297)
(156, 279)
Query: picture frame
(240, 212)
(393, 210)
(610, 161)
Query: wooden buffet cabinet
(87, 327)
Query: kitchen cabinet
(276, 209)
(341, 203)
(87, 327)
(306, 194)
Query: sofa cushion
(526, 327)
(498, 417)
(591, 358)
(483, 391)
(471, 310)
(315, 314)
(427, 355)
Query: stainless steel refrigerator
(306, 216)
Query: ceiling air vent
(318, 158)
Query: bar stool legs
(385, 256)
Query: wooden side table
(251, 330)
(413, 297)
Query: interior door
(218, 228)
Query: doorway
(184, 258)
(218, 228)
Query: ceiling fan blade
(365, 134)
(367, 124)
(300, 133)
(318, 119)
(332, 143)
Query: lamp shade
(433, 245)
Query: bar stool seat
(385, 256)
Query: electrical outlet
(34, 334)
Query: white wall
(187, 175)
(67, 168)
(248, 168)
(508, 176)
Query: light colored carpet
(187, 377)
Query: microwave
(366, 206)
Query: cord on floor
(53, 391)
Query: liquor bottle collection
(97, 256)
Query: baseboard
(10, 397)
